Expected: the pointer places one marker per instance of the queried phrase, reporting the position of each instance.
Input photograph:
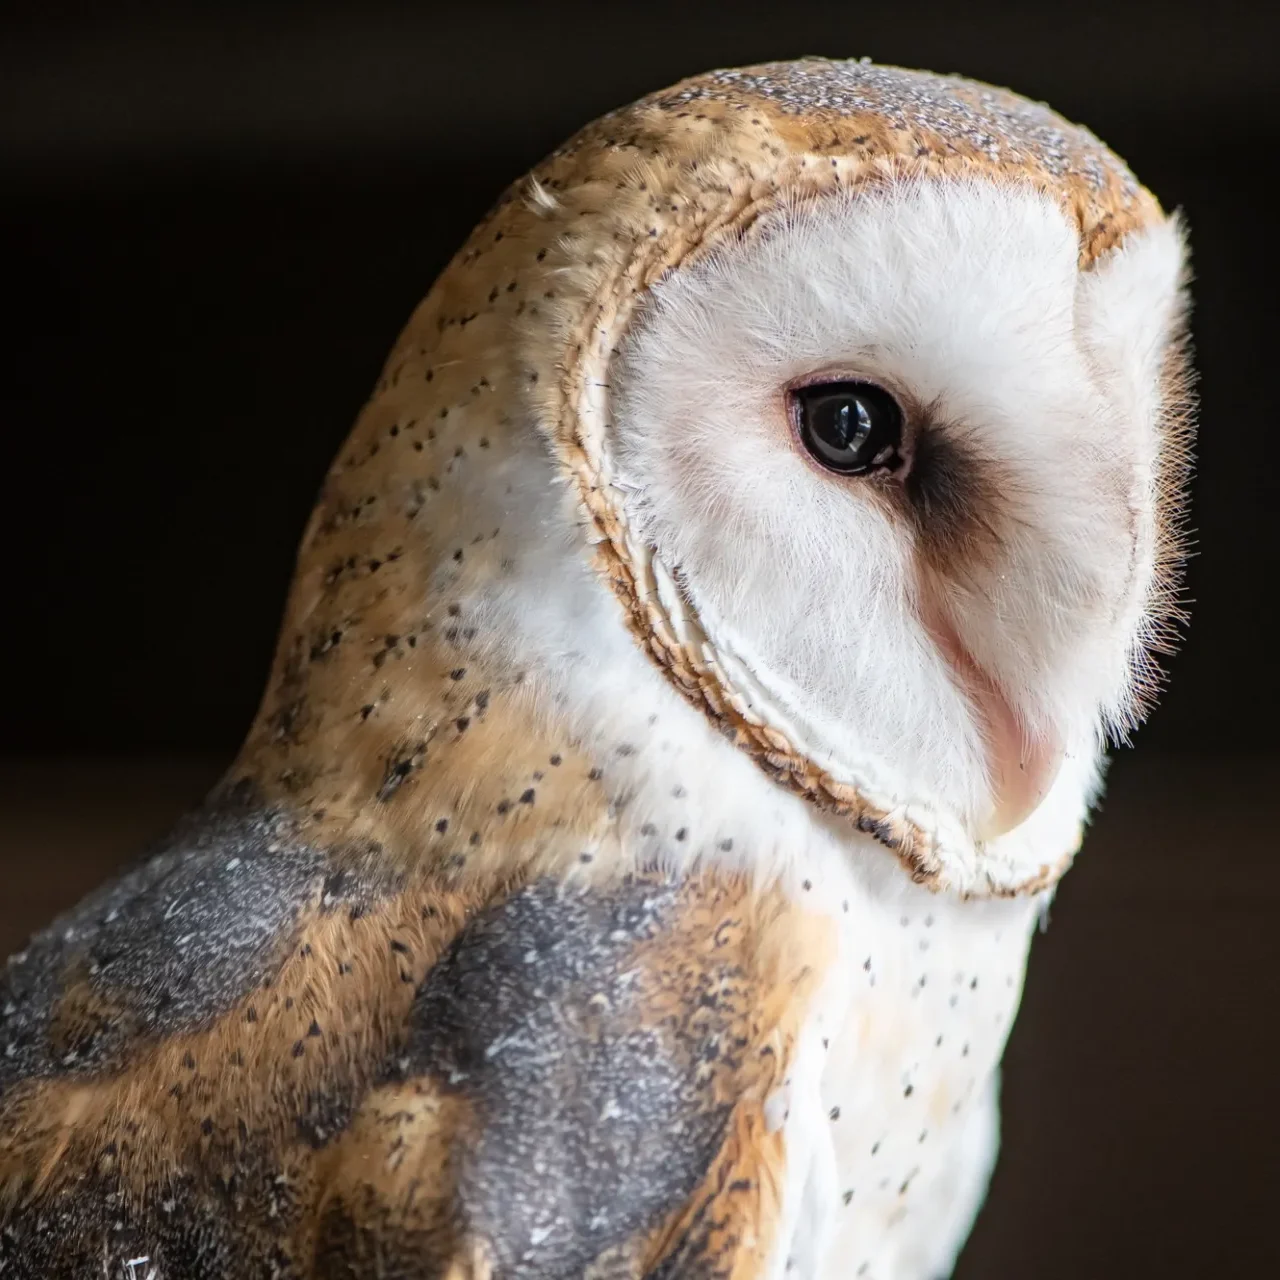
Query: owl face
(909, 465)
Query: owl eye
(851, 428)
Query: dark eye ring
(851, 428)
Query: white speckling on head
(1008, 128)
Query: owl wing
(583, 1091)
(243, 1059)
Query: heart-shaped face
(904, 458)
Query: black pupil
(850, 427)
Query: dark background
(214, 223)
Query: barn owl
(692, 687)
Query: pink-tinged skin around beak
(1021, 765)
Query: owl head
(863, 393)
(894, 434)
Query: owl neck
(455, 691)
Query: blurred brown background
(214, 223)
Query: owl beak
(1021, 765)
